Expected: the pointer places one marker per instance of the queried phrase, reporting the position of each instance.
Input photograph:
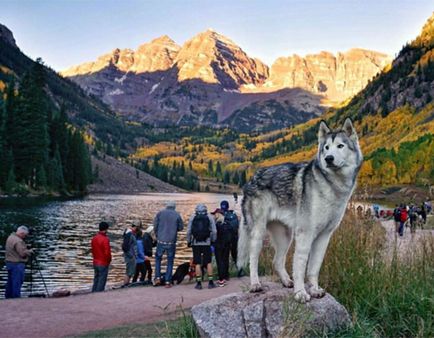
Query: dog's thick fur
(305, 200)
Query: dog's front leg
(255, 249)
(316, 257)
(303, 243)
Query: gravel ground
(405, 245)
(58, 317)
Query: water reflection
(62, 232)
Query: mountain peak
(213, 58)
(7, 36)
(164, 39)
(215, 36)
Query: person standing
(233, 223)
(201, 232)
(148, 243)
(129, 247)
(102, 257)
(167, 223)
(16, 256)
(403, 220)
(222, 246)
(423, 214)
(140, 260)
(397, 218)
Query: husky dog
(307, 200)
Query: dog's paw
(288, 283)
(256, 287)
(316, 292)
(302, 296)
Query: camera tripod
(42, 295)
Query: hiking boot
(198, 286)
(211, 285)
(157, 282)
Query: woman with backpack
(222, 247)
(201, 232)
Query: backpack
(126, 241)
(397, 214)
(200, 227)
(231, 221)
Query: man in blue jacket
(167, 223)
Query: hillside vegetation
(394, 116)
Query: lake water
(62, 230)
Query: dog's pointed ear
(349, 129)
(323, 131)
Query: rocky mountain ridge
(101, 126)
(211, 80)
(336, 77)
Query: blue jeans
(15, 279)
(100, 278)
(401, 228)
(170, 250)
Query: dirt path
(406, 244)
(57, 317)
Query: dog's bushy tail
(244, 237)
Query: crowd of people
(410, 216)
(208, 234)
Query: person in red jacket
(102, 257)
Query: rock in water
(272, 313)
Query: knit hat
(224, 205)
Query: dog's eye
(340, 146)
(327, 147)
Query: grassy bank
(386, 296)
(390, 297)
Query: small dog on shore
(302, 200)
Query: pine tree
(218, 170)
(41, 178)
(10, 182)
(210, 168)
(236, 178)
(243, 178)
(30, 142)
(227, 177)
(7, 132)
(182, 169)
(55, 178)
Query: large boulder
(273, 313)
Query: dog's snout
(329, 159)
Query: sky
(69, 32)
